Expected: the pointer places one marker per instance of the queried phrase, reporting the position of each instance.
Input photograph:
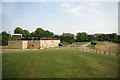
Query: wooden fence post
(104, 52)
(96, 51)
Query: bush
(60, 44)
(93, 42)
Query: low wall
(33, 44)
(24, 44)
(17, 44)
(49, 43)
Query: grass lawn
(58, 63)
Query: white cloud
(0, 8)
(96, 11)
(95, 4)
(60, 0)
(77, 11)
(94, 8)
(73, 9)
(65, 5)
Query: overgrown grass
(106, 46)
(77, 44)
(58, 63)
(4, 47)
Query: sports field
(58, 63)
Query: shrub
(60, 44)
(93, 42)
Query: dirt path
(85, 45)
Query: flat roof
(17, 34)
(49, 38)
(42, 39)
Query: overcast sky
(58, 17)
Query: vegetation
(5, 38)
(67, 39)
(60, 44)
(106, 46)
(0, 39)
(58, 63)
(41, 33)
(82, 37)
(93, 43)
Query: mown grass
(58, 63)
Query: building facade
(17, 44)
(42, 43)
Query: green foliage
(93, 42)
(60, 44)
(67, 39)
(116, 39)
(18, 30)
(40, 33)
(106, 37)
(25, 33)
(91, 37)
(81, 37)
(5, 38)
(56, 36)
(0, 39)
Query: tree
(0, 39)
(67, 39)
(82, 37)
(56, 36)
(5, 38)
(91, 37)
(116, 39)
(100, 38)
(39, 33)
(25, 33)
(18, 30)
(47, 34)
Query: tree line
(41, 33)
(38, 33)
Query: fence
(88, 50)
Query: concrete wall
(34, 44)
(24, 44)
(17, 44)
(49, 43)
